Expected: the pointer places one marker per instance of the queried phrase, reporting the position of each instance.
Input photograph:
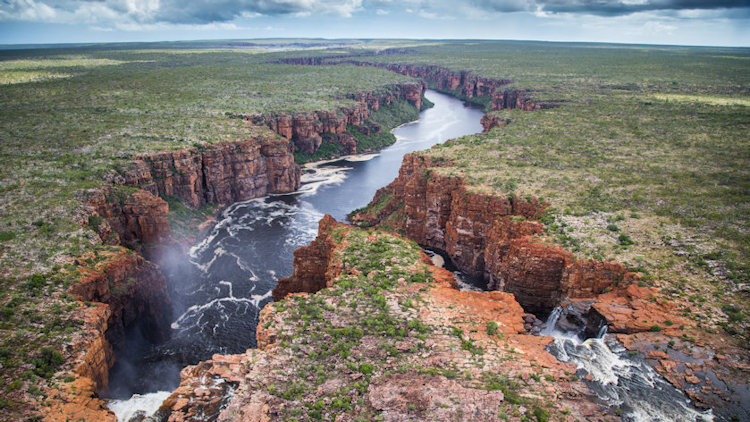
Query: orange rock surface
(220, 173)
(487, 236)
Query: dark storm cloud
(615, 8)
(170, 11)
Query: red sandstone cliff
(220, 173)
(313, 268)
(305, 130)
(131, 218)
(118, 288)
(464, 83)
(486, 236)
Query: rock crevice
(489, 237)
(220, 173)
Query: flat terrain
(71, 117)
(645, 161)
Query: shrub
(625, 240)
(47, 363)
(366, 368)
(492, 328)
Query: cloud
(166, 11)
(104, 13)
(626, 7)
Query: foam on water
(621, 380)
(228, 276)
(138, 403)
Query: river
(227, 277)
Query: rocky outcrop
(490, 120)
(313, 268)
(220, 173)
(486, 236)
(116, 288)
(468, 85)
(307, 129)
(133, 290)
(128, 216)
(205, 389)
(301, 370)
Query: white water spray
(619, 379)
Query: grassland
(646, 161)
(71, 117)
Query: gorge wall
(464, 84)
(489, 237)
(220, 173)
(313, 268)
(307, 129)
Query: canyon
(495, 239)
(125, 287)
(463, 84)
(486, 236)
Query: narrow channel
(227, 277)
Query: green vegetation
(371, 136)
(643, 158)
(369, 326)
(72, 118)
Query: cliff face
(306, 130)
(463, 83)
(134, 290)
(119, 288)
(486, 236)
(490, 120)
(313, 268)
(220, 173)
(131, 218)
(324, 355)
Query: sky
(682, 22)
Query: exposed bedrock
(313, 268)
(463, 83)
(486, 236)
(129, 218)
(118, 288)
(306, 129)
(135, 291)
(490, 120)
(220, 173)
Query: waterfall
(623, 381)
(552, 321)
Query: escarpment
(468, 85)
(489, 237)
(306, 130)
(383, 342)
(118, 288)
(220, 173)
(134, 290)
(128, 217)
(313, 268)
(463, 83)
